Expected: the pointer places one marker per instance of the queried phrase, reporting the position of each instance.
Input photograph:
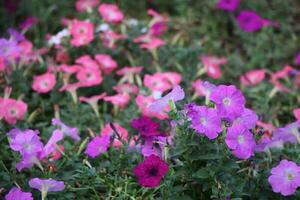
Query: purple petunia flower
(285, 178)
(146, 126)
(247, 119)
(50, 147)
(67, 130)
(150, 172)
(9, 48)
(176, 94)
(205, 121)
(98, 145)
(290, 133)
(297, 59)
(228, 5)
(15, 35)
(250, 21)
(229, 100)
(16, 193)
(46, 185)
(241, 141)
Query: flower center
(240, 139)
(153, 171)
(226, 101)
(203, 121)
(13, 111)
(290, 176)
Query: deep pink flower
(175, 95)
(110, 13)
(250, 21)
(106, 63)
(253, 77)
(297, 59)
(67, 130)
(285, 178)
(44, 83)
(150, 172)
(158, 24)
(16, 193)
(82, 32)
(97, 145)
(229, 100)
(228, 5)
(12, 110)
(85, 5)
(46, 185)
(108, 131)
(205, 121)
(146, 126)
(28, 22)
(296, 113)
(240, 140)
(212, 65)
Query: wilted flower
(205, 121)
(16, 193)
(150, 172)
(241, 141)
(285, 178)
(46, 185)
(229, 100)
(44, 83)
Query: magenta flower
(297, 59)
(67, 130)
(241, 141)
(16, 193)
(285, 178)
(248, 119)
(229, 100)
(176, 94)
(146, 126)
(98, 145)
(150, 172)
(205, 121)
(228, 5)
(250, 21)
(46, 185)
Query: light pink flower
(69, 69)
(71, 88)
(212, 65)
(93, 101)
(12, 110)
(153, 43)
(157, 82)
(85, 5)
(126, 88)
(110, 13)
(120, 100)
(253, 77)
(82, 32)
(44, 83)
(108, 131)
(296, 113)
(2, 64)
(87, 62)
(128, 73)
(106, 63)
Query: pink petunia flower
(44, 83)
(16, 193)
(110, 38)
(157, 83)
(158, 24)
(128, 73)
(82, 32)
(93, 101)
(205, 121)
(97, 145)
(87, 62)
(119, 100)
(150, 172)
(212, 65)
(89, 77)
(12, 110)
(126, 88)
(296, 113)
(285, 178)
(153, 43)
(228, 5)
(240, 140)
(175, 95)
(46, 185)
(253, 77)
(85, 5)
(108, 131)
(144, 102)
(106, 63)
(110, 13)
(229, 100)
